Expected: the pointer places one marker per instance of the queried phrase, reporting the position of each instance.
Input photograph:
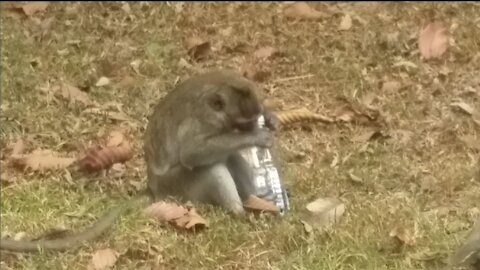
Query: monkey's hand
(200, 151)
(263, 138)
(271, 120)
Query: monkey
(202, 163)
(191, 149)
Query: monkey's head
(234, 101)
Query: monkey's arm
(200, 150)
(271, 120)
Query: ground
(416, 177)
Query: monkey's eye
(217, 103)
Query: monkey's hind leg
(242, 174)
(220, 188)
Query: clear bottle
(267, 180)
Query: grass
(420, 178)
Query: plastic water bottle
(267, 180)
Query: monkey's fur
(191, 146)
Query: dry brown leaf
(33, 7)
(264, 53)
(301, 10)
(325, 212)
(391, 86)
(165, 212)
(126, 8)
(463, 107)
(41, 160)
(191, 220)
(346, 116)
(74, 94)
(403, 236)
(176, 215)
(18, 148)
(103, 259)
(346, 23)
(298, 115)
(115, 138)
(256, 204)
(198, 48)
(99, 158)
(102, 82)
(433, 40)
(117, 170)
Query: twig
(293, 78)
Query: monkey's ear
(216, 101)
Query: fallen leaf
(115, 138)
(74, 94)
(18, 148)
(136, 65)
(165, 212)
(463, 107)
(191, 220)
(102, 82)
(254, 203)
(346, 116)
(301, 10)
(391, 86)
(117, 170)
(198, 48)
(176, 215)
(325, 212)
(264, 53)
(299, 115)
(126, 8)
(41, 160)
(346, 23)
(33, 7)
(98, 158)
(402, 236)
(103, 259)
(433, 40)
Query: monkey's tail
(69, 242)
